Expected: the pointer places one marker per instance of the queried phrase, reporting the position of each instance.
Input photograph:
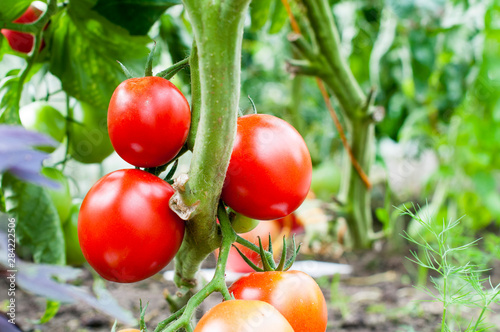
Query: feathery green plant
(457, 285)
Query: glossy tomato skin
(270, 170)
(20, 41)
(295, 294)
(243, 316)
(126, 229)
(148, 121)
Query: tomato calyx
(148, 71)
(266, 256)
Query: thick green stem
(355, 106)
(218, 31)
(195, 96)
(354, 192)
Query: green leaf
(12, 9)
(84, 49)
(259, 11)
(38, 227)
(279, 16)
(137, 16)
(51, 310)
(9, 100)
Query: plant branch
(182, 318)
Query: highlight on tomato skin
(21, 41)
(270, 170)
(243, 316)
(304, 307)
(148, 121)
(126, 229)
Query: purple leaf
(16, 137)
(18, 157)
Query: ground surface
(375, 297)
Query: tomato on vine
(270, 170)
(126, 229)
(148, 121)
(304, 307)
(21, 41)
(243, 316)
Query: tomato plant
(74, 255)
(89, 139)
(304, 307)
(265, 228)
(270, 170)
(40, 116)
(243, 316)
(148, 121)
(125, 227)
(61, 197)
(20, 41)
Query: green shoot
(457, 285)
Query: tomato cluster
(126, 229)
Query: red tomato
(148, 121)
(20, 41)
(126, 229)
(295, 294)
(235, 263)
(243, 316)
(270, 170)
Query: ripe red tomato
(243, 316)
(20, 41)
(270, 170)
(234, 261)
(295, 294)
(126, 229)
(148, 121)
